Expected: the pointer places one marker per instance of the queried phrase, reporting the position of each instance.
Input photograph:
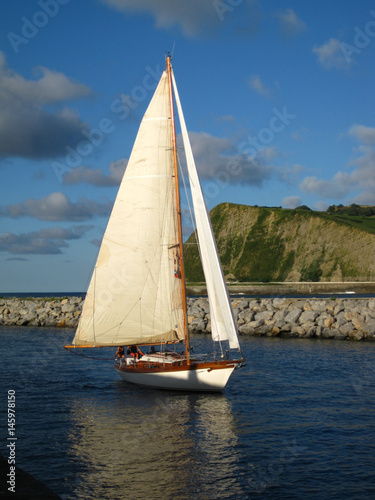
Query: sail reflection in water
(160, 446)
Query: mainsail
(134, 296)
(222, 321)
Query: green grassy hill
(275, 244)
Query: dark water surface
(297, 422)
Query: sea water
(296, 422)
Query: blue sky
(278, 98)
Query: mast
(178, 203)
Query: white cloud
(256, 84)
(289, 173)
(44, 241)
(95, 176)
(364, 175)
(268, 153)
(321, 206)
(291, 202)
(218, 159)
(226, 118)
(57, 207)
(193, 17)
(27, 128)
(363, 134)
(51, 87)
(334, 188)
(330, 54)
(197, 17)
(358, 182)
(290, 24)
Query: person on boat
(120, 353)
(135, 352)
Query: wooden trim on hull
(196, 376)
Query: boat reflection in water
(154, 444)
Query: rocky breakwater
(338, 319)
(273, 317)
(41, 312)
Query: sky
(278, 98)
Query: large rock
(280, 315)
(30, 316)
(318, 305)
(244, 304)
(346, 329)
(203, 304)
(246, 329)
(293, 316)
(280, 303)
(196, 312)
(198, 325)
(369, 328)
(263, 316)
(245, 316)
(308, 316)
(67, 308)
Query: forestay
(222, 321)
(134, 296)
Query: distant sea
(21, 295)
(347, 295)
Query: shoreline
(334, 318)
(274, 289)
(291, 288)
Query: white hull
(200, 379)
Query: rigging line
(187, 198)
(124, 318)
(88, 357)
(120, 323)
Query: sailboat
(137, 294)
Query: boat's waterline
(208, 377)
